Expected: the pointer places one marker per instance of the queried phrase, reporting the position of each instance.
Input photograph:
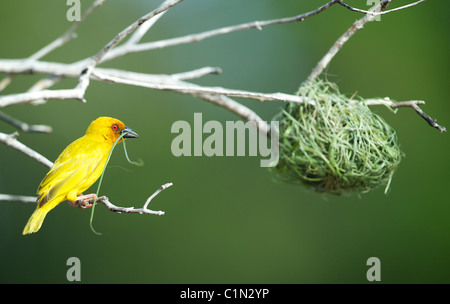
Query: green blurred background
(226, 221)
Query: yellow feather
(76, 169)
(38, 216)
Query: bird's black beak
(129, 133)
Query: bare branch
(428, 119)
(376, 13)
(357, 25)
(83, 82)
(195, 90)
(163, 187)
(44, 84)
(130, 29)
(412, 104)
(238, 109)
(67, 36)
(143, 210)
(52, 46)
(70, 70)
(124, 77)
(18, 198)
(6, 81)
(133, 48)
(169, 82)
(102, 199)
(23, 98)
(87, 69)
(386, 101)
(11, 141)
(143, 29)
(196, 73)
(24, 66)
(24, 126)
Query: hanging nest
(337, 145)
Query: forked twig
(102, 199)
(144, 210)
(411, 104)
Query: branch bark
(23, 126)
(134, 48)
(11, 141)
(143, 210)
(411, 104)
(375, 12)
(103, 199)
(357, 25)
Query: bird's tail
(36, 219)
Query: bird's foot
(84, 201)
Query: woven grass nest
(337, 145)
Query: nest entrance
(337, 145)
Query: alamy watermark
(375, 3)
(374, 271)
(74, 271)
(74, 11)
(233, 139)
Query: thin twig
(69, 70)
(411, 104)
(11, 141)
(67, 36)
(133, 48)
(83, 81)
(428, 119)
(6, 81)
(163, 187)
(357, 25)
(131, 28)
(86, 69)
(393, 104)
(23, 98)
(376, 13)
(24, 66)
(60, 41)
(143, 210)
(143, 29)
(79, 91)
(102, 199)
(217, 99)
(238, 109)
(24, 126)
(194, 89)
(198, 73)
(18, 198)
(44, 84)
(158, 82)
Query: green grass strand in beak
(139, 163)
(100, 183)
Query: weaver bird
(77, 168)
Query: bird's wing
(76, 169)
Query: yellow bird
(77, 167)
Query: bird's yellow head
(109, 129)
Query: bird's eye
(115, 127)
